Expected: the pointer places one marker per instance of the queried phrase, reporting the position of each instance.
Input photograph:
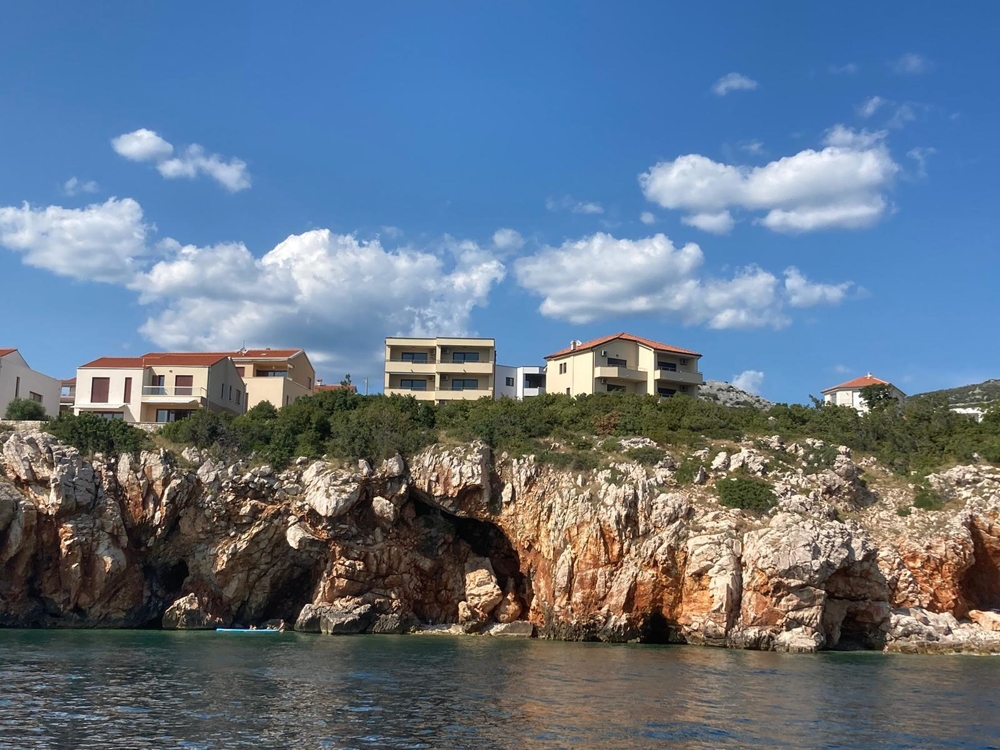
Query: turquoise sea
(139, 689)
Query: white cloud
(74, 186)
(919, 155)
(393, 233)
(102, 242)
(754, 147)
(803, 293)
(871, 105)
(911, 64)
(647, 217)
(567, 203)
(749, 381)
(142, 145)
(841, 186)
(717, 223)
(330, 293)
(147, 145)
(733, 82)
(903, 114)
(848, 68)
(601, 276)
(842, 369)
(508, 239)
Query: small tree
(879, 397)
(23, 408)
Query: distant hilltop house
(625, 363)
(163, 387)
(849, 393)
(17, 380)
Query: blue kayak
(245, 630)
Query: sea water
(134, 689)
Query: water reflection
(203, 690)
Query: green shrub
(25, 408)
(903, 511)
(687, 471)
(202, 429)
(92, 434)
(752, 495)
(646, 455)
(573, 460)
(927, 499)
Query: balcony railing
(680, 376)
(186, 392)
(619, 373)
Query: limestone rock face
(494, 544)
(187, 614)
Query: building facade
(849, 393)
(17, 380)
(623, 363)
(440, 369)
(280, 376)
(159, 386)
(519, 382)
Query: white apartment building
(849, 393)
(17, 380)
(519, 382)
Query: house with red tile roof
(625, 363)
(849, 393)
(159, 386)
(18, 380)
(279, 376)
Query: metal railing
(182, 391)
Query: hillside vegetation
(980, 395)
(920, 436)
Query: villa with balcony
(279, 376)
(440, 369)
(623, 363)
(159, 387)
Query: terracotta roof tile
(593, 344)
(861, 382)
(258, 353)
(5, 352)
(177, 359)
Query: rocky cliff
(459, 538)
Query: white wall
(502, 390)
(17, 380)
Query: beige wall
(116, 391)
(583, 377)
(17, 380)
(441, 369)
(278, 391)
(298, 368)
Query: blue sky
(796, 191)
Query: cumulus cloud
(801, 292)
(508, 239)
(749, 381)
(147, 145)
(647, 217)
(733, 82)
(717, 223)
(102, 242)
(754, 147)
(331, 293)
(911, 64)
(841, 186)
(567, 203)
(602, 276)
(74, 186)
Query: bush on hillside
(90, 434)
(647, 455)
(752, 495)
(25, 409)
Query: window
(509, 382)
(238, 397)
(128, 390)
(109, 414)
(274, 373)
(288, 400)
(666, 392)
(465, 357)
(230, 393)
(158, 388)
(17, 387)
(99, 388)
(36, 397)
(668, 366)
(222, 395)
(562, 368)
(413, 385)
(464, 385)
(615, 362)
(684, 360)
(183, 385)
(612, 388)
(415, 357)
(567, 391)
(309, 383)
(172, 415)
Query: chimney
(572, 345)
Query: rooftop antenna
(243, 349)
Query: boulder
(481, 589)
(187, 613)
(518, 629)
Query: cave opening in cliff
(655, 629)
(488, 540)
(980, 586)
(166, 583)
(289, 595)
